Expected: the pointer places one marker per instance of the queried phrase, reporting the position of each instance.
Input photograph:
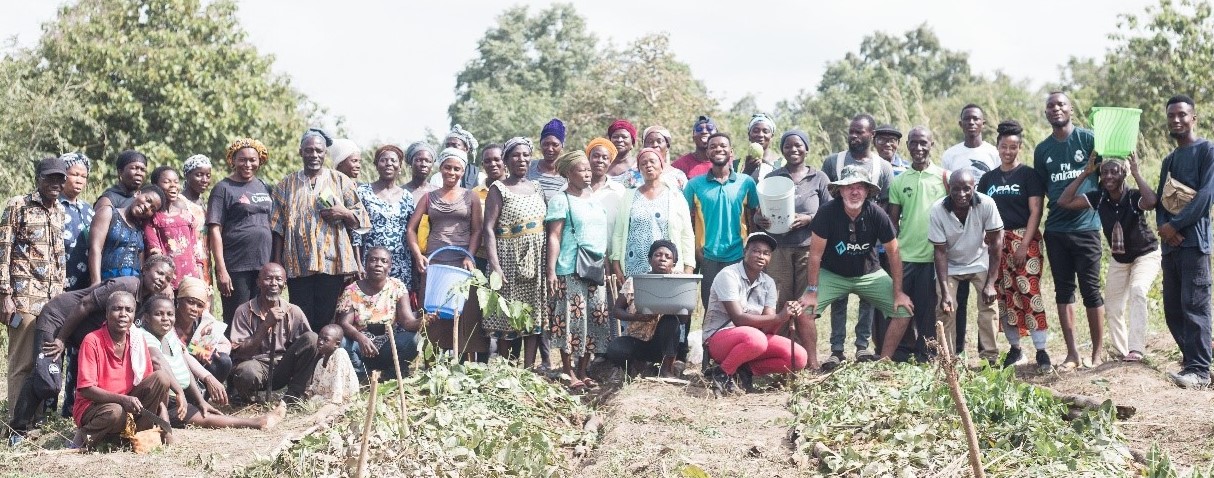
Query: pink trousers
(765, 354)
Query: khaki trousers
(20, 357)
(987, 315)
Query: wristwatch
(812, 288)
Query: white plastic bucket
(777, 201)
(441, 297)
(666, 293)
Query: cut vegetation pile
(467, 420)
(883, 419)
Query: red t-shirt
(97, 366)
(692, 166)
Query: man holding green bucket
(1186, 186)
(1072, 238)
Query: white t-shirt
(967, 250)
(980, 160)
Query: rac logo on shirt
(843, 248)
(1005, 190)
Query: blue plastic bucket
(441, 298)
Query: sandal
(576, 386)
(1133, 356)
(590, 383)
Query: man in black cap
(886, 140)
(32, 260)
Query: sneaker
(1189, 380)
(1043, 362)
(745, 379)
(1014, 357)
(723, 384)
(836, 358)
(863, 355)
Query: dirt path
(656, 429)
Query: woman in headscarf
(514, 243)
(119, 250)
(623, 168)
(462, 139)
(132, 167)
(173, 230)
(761, 130)
(78, 218)
(580, 321)
(658, 137)
(347, 157)
(790, 261)
(420, 158)
(197, 172)
(654, 211)
(605, 192)
(651, 337)
(543, 170)
(455, 220)
(238, 225)
(390, 208)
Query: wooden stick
(948, 364)
(400, 382)
(362, 453)
(455, 337)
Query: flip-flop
(576, 386)
(590, 383)
(1133, 356)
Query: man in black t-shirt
(843, 255)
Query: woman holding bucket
(455, 224)
(790, 261)
(577, 233)
(654, 211)
(514, 246)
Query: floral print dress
(388, 223)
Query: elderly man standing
(32, 258)
(967, 232)
(1184, 228)
(312, 211)
(265, 329)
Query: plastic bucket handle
(453, 248)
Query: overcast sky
(389, 66)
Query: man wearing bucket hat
(1184, 229)
(860, 134)
(843, 255)
(910, 201)
(1072, 238)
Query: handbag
(1176, 195)
(591, 266)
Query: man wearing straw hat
(843, 255)
(1072, 238)
(1183, 215)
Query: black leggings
(244, 289)
(664, 343)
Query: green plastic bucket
(1116, 130)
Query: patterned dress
(175, 235)
(388, 224)
(122, 253)
(520, 251)
(580, 322)
(76, 240)
(648, 221)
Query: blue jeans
(838, 324)
(1186, 306)
(406, 351)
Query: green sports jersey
(1058, 163)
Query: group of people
(562, 226)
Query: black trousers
(244, 289)
(1186, 306)
(919, 283)
(317, 296)
(664, 343)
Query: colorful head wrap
(194, 162)
(659, 130)
(417, 147)
(624, 125)
(129, 156)
(263, 154)
(516, 142)
(400, 155)
(72, 159)
(796, 132)
(759, 118)
(554, 128)
(316, 132)
(604, 142)
(456, 153)
(566, 160)
(459, 132)
(704, 124)
(342, 149)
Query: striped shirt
(550, 184)
(310, 245)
